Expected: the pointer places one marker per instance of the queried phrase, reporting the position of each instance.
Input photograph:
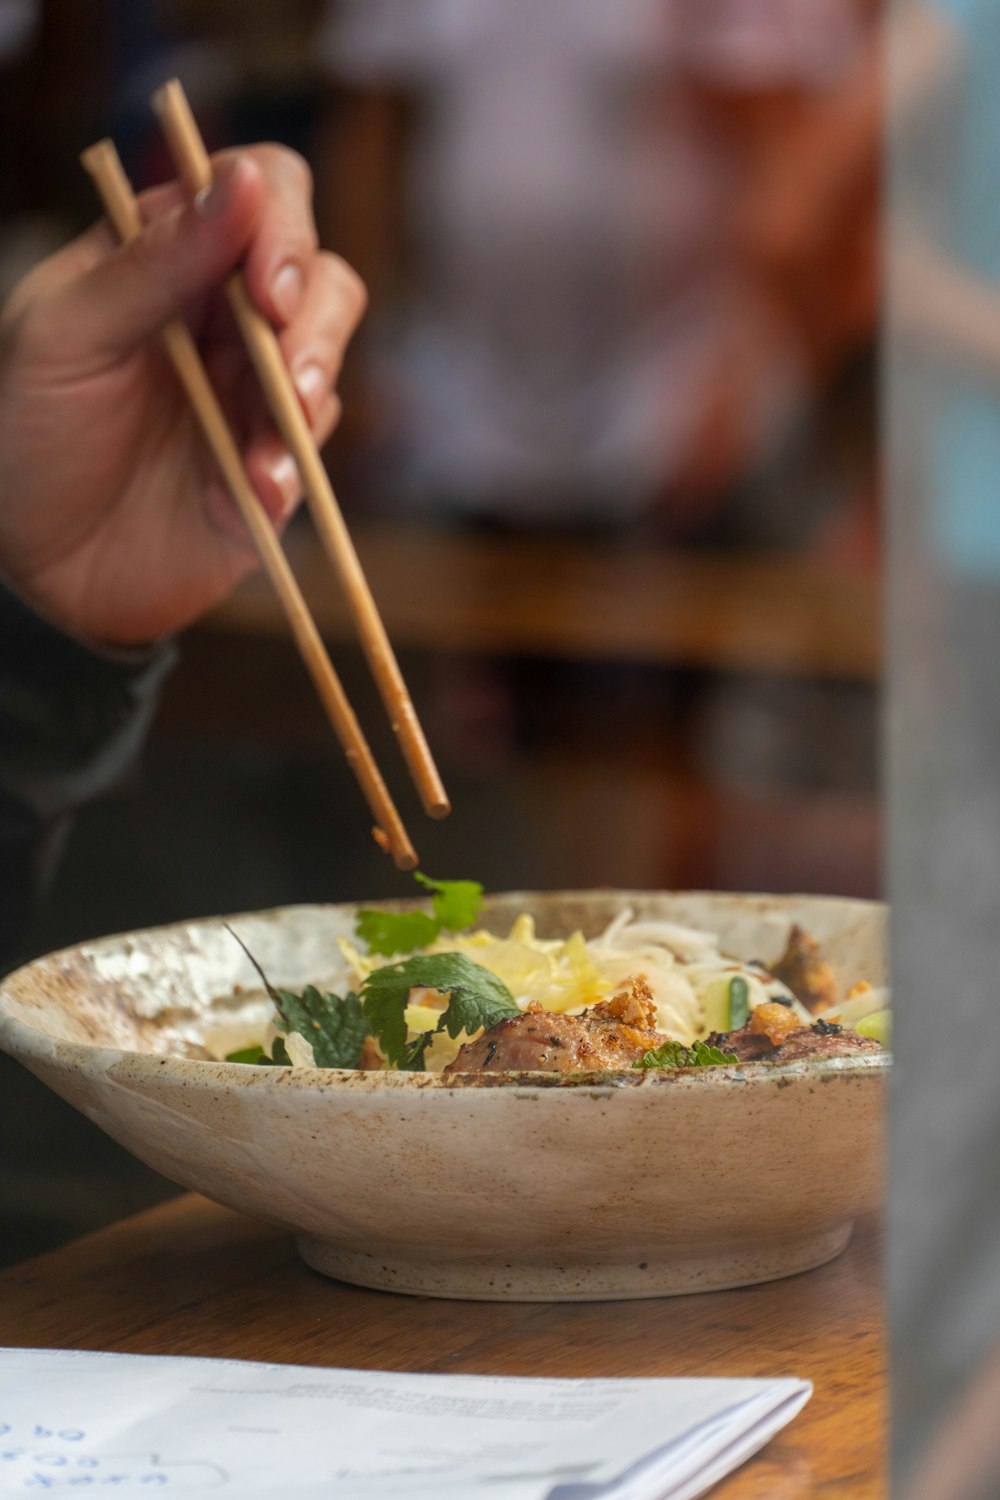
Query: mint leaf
(456, 903)
(477, 999)
(676, 1055)
(480, 1005)
(392, 932)
(333, 1025)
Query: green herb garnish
(333, 1025)
(676, 1055)
(390, 932)
(476, 999)
(455, 905)
(248, 1055)
(256, 1055)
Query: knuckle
(284, 163)
(348, 284)
(303, 172)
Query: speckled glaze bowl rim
(22, 1040)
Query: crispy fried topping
(773, 1021)
(633, 1006)
(806, 972)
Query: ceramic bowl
(518, 1186)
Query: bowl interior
(188, 990)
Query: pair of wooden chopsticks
(192, 162)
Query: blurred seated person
(614, 249)
(115, 530)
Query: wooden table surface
(451, 590)
(191, 1278)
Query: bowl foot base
(521, 1280)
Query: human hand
(114, 522)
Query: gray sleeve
(72, 719)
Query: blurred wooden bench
(453, 590)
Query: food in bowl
(642, 994)
(626, 1182)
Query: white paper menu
(140, 1425)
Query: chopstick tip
(94, 155)
(404, 856)
(161, 97)
(438, 809)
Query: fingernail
(286, 476)
(286, 290)
(311, 384)
(214, 198)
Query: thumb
(182, 253)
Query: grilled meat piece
(822, 1039)
(612, 1034)
(806, 972)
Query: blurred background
(608, 454)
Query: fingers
(273, 474)
(313, 343)
(279, 259)
(258, 212)
(280, 255)
(313, 347)
(109, 310)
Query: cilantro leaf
(333, 1025)
(676, 1055)
(456, 903)
(477, 999)
(392, 932)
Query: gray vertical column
(942, 426)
